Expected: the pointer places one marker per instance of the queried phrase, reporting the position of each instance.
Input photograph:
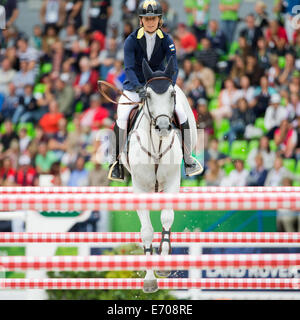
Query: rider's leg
(116, 171)
(192, 165)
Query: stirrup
(197, 172)
(110, 172)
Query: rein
(101, 82)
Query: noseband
(153, 119)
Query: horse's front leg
(150, 282)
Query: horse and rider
(148, 43)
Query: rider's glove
(141, 92)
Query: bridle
(153, 120)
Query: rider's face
(150, 23)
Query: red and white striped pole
(123, 284)
(142, 262)
(135, 237)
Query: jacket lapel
(143, 44)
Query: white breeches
(124, 109)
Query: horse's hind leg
(150, 282)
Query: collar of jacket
(141, 33)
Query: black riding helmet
(150, 8)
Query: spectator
(8, 136)
(286, 73)
(86, 75)
(24, 140)
(129, 9)
(242, 116)
(188, 41)
(229, 17)
(263, 54)
(247, 91)
(35, 41)
(208, 55)
(214, 174)
(276, 35)
(25, 52)
(170, 17)
(258, 174)
(99, 13)
(206, 75)
(11, 12)
(98, 175)
(52, 13)
(49, 41)
(23, 77)
(116, 75)
(95, 114)
(68, 36)
(262, 96)
(204, 119)
(275, 113)
(11, 102)
(44, 159)
(293, 107)
(7, 172)
(7, 74)
(26, 174)
(277, 174)
(287, 220)
(264, 150)
(227, 99)
(285, 138)
(216, 37)
(237, 177)
(261, 15)
(58, 143)
(253, 70)
(64, 96)
(252, 33)
(49, 121)
(73, 11)
(238, 69)
(79, 176)
(27, 103)
(196, 90)
(212, 152)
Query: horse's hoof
(150, 286)
(163, 273)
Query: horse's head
(161, 97)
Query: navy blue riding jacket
(135, 50)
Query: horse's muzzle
(163, 126)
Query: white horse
(154, 156)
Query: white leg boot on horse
(167, 219)
(147, 233)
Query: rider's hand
(141, 92)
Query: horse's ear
(170, 69)
(147, 70)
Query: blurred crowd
(243, 87)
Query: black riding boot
(192, 166)
(116, 169)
